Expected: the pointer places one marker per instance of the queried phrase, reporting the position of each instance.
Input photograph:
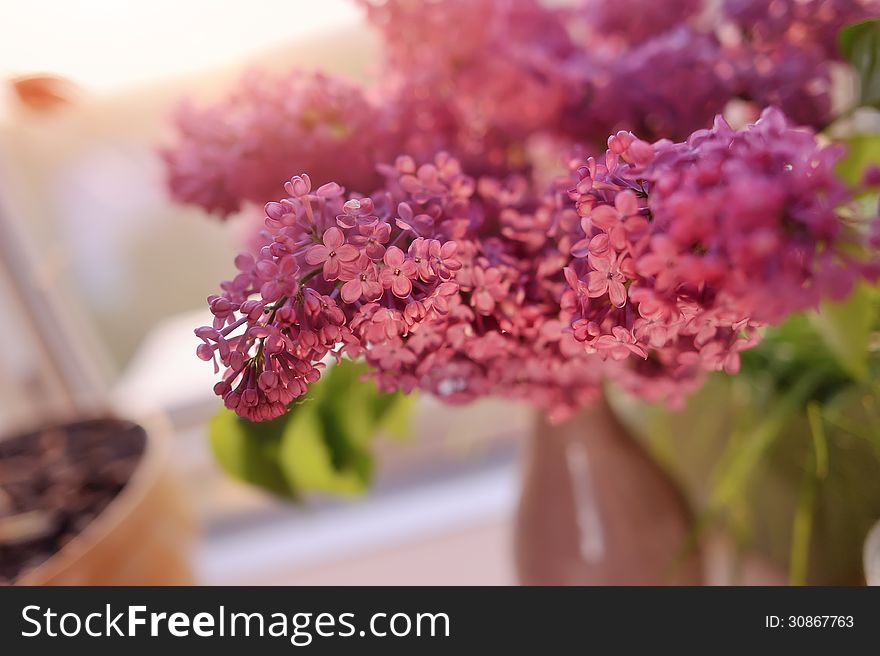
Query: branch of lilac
(468, 270)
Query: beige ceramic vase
(597, 510)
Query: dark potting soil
(54, 482)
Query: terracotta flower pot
(142, 537)
(597, 510)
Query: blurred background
(103, 279)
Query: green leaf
(346, 406)
(815, 473)
(862, 150)
(820, 440)
(860, 45)
(323, 443)
(802, 530)
(249, 451)
(742, 456)
(394, 413)
(846, 329)
(307, 458)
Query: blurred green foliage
(862, 150)
(860, 45)
(323, 444)
(785, 457)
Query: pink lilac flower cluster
(242, 149)
(634, 22)
(657, 264)
(458, 270)
(687, 248)
(435, 281)
(475, 77)
(487, 80)
(799, 21)
(666, 86)
(784, 50)
(666, 69)
(517, 67)
(333, 275)
(503, 334)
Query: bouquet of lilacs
(467, 226)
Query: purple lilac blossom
(652, 266)
(243, 148)
(486, 79)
